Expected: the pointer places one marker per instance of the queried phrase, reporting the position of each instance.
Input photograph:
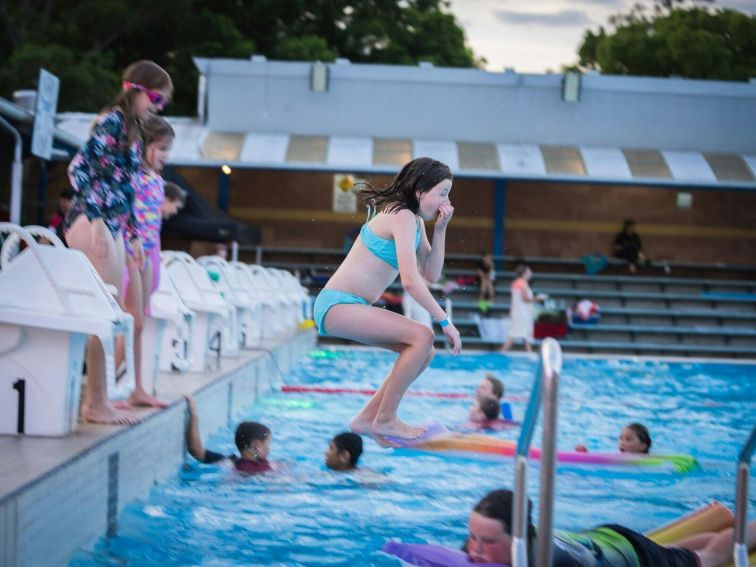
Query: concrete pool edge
(74, 488)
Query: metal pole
(740, 549)
(234, 251)
(519, 520)
(17, 173)
(500, 211)
(42, 192)
(551, 368)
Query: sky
(533, 36)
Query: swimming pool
(307, 515)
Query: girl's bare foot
(383, 442)
(108, 415)
(122, 404)
(361, 426)
(396, 428)
(143, 399)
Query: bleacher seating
(654, 313)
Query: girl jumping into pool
(393, 242)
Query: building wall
(542, 219)
(431, 103)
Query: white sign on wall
(48, 86)
(344, 193)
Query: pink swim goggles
(157, 100)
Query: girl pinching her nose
(393, 242)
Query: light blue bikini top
(383, 248)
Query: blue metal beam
(500, 209)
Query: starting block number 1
(20, 386)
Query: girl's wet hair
(643, 435)
(498, 505)
(156, 128)
(351, 443)
(249, 431)
(148, 74)
(421, 175)
(497, 386)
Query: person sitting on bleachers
(627, 246)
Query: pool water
(307, 515)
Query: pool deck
(60, 493)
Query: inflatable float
(713, 517)
(438, 439)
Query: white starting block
(240, 296)
(296, 292)
(269, 319)
(285, 317)
(212, 313)
(52, 299)
(173, 316)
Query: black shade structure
(200, 220)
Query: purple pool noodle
(426, 555)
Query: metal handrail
(546, 388)
(740, 548)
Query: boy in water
(252, 439)
(484, 410)
(343, 452)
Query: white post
(17, 173)
(234, 251)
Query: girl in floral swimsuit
(101, 216)
(150, 207)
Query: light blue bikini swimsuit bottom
(326, 299)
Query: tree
(87, 43)
(676, 39)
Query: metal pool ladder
(546, 387)
(740, 549)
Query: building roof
(374, 118)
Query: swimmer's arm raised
(434, 262)
(404, 230)
(193, 439)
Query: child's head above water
(344, 451)
(253, 440)
(490, 386)
(484, 409)
(490, 528)
(635, 438)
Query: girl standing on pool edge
(393, 242)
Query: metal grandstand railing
(545, 391)
(740, 549)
